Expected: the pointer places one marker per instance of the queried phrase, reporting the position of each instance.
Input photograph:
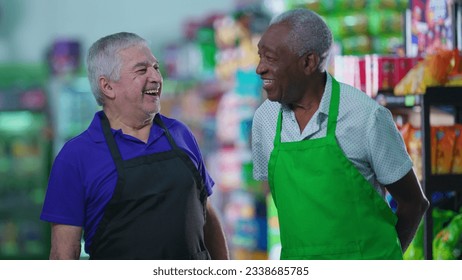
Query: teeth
(152, 91)
(267, 82)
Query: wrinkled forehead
(137, 54)
(275, 36)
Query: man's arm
(65, 242)
(214, 236)
(412, 205)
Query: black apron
(157, 210)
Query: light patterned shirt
(365, 132)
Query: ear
(310, 62)
(106, 88)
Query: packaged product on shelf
(205, 39)
(454, 81)
(64, 57)
(388, 44)
(413, 82)
(395, 5)
(343, 66)
(240, 214)
(457, 156)
(356, 45)
(445, 153)
(229, 168)
(455, 76)
(445, 137)
(386, 71)
(329, 7)
(440, 217)
(412, 139)
(385, 22)
(447, 244)
(440, 66)
(432, 71)
(351, 24)
(227, 32)
(382, 73)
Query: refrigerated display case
(72, 107)
(25, 143)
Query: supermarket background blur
(392, 49)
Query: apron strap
(277, 138)
(115, 153)
(114, 149)
(186, 159)
(333, 109)
(159, 122)
(332, 118)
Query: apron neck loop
(332, 117)
(277, 138)
(159, 122)
(333, 108)
(114, 149)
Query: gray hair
(308, 32)
(103, 59)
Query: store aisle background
(207, 50)
(28, 27)
(42, 72)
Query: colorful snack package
(414, 143)
(405, 131)
(445, 149)
(457, 155)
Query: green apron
(326, 208)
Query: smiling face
(138, 90)
(280, 68)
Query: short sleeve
(65, 197)
(388, 155)
(260, 162)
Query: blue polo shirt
(83, 176)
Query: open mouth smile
(152, 92)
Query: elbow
(419, 205)
(424, 205)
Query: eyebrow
(145, 63)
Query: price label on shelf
(409, 100)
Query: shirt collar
(95, 129)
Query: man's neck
(137, 128)
(309, 104)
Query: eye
(270, 58)
(267, 56)
(141, 70)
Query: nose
(260, 68)
(155, 75)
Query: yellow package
(432, 71)
(439, 66)
(405, 131)
(412, 82)
(446, 137)
(414, 147)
